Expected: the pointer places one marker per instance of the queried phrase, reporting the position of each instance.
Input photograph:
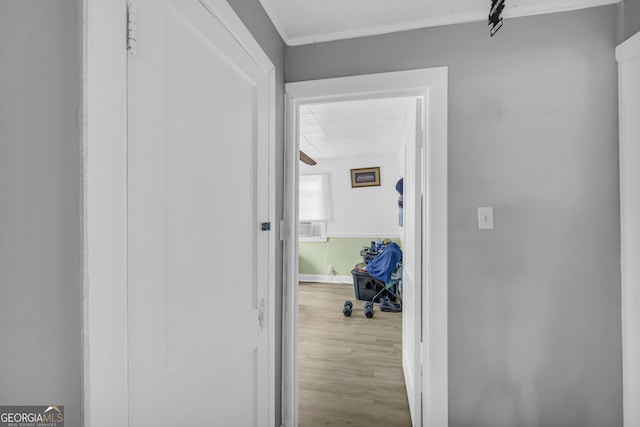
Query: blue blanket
(385, 263)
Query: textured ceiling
(356, 128)
(310, 21)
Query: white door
(628, 56)
(197, 196)
(412, 269)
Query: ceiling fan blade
(306, 159)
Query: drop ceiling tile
(336, 130)
(391, 112)
(360, 115)
(322, 108)
(405, 101)
(308, 119)
(304, 142)
(357, 104)
(347, 150)
(362, 121)
(390, 123)
(362, 141)
(330, 117)
(307, 128)
(387, 142)
(385, 133)
(350, 128)
(368, 132)
(362, 127)
(315, 138)
(330, 152)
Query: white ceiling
(355, 128)
(311, 21)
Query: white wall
(630, 18)
(40, 205)
(362, 211)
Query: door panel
(197, 192)
(628, 56)
(412, 269)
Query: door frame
(104, 188)
(628, 57)
(433, 82)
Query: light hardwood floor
(350, 368)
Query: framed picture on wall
(365, 177)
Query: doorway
(428, 360)
(351, 367)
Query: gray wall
(40, 205)
(631, 17)
(256, 20)
(534, 305)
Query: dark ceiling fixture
(306, 159)
(495, 16)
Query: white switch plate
(485, 218)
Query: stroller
(386, 270)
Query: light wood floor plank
(350, 368)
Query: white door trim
(104, 118)
(104, 223)
(628, 56)
(413, 82)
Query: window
(314, 207)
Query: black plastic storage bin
(366, 287)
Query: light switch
(485, 218)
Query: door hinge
(266, 226)
(132, 28)
(283, 233)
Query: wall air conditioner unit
(305, 229)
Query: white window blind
(314, 198)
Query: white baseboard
(323, 278)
